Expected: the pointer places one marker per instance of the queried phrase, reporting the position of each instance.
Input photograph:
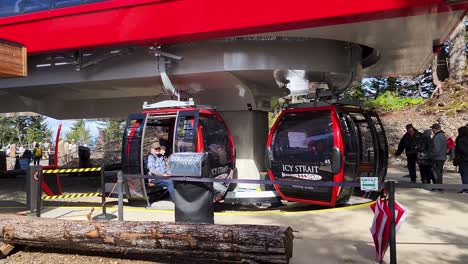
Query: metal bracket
(166, 81)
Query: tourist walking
(438, 153)
(461, 155)
(424, 148)
(407, 144)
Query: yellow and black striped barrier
(68, 196)
(71, 170)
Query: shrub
(391, 101)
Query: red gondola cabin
(180, 127)
(325, 142)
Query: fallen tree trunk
(170, 241)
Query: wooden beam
(13, 60)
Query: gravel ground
(45, 257)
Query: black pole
(120, 190)
(103, 191)
(391, 203)
(103, 216)
(39, 193)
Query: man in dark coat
(461, 155)
(408, 144)
(424, 149)
(439, 152)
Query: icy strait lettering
(300, 168)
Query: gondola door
(373, 144)
(219, 146)
(382, 145)
(186, 132)
(132, 162)
(351, 152)
(306, 144)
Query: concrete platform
(435, 231)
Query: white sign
(369, 184)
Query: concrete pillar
(249, 130)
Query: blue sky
(53, 124)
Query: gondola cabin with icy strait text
(325, 142)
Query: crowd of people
(37, 151)
(430, 150)
(32, 153)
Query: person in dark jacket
(438, 153)
(461, 155)
(407, 144)
(27, 154)
(424, 148)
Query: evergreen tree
(392, 84)
(37, 130)
(356, 93)
(24, 129)
(7, 130)
(375, 86)
(79, 133)
(113, 129)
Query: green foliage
(113, 130)
(7, 130)
(277, 106)
(356, 93)
(79, 133)
(24, 129)
(37, 130)
(391, 101)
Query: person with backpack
(27, 155)
(461, 155)
(37, 154)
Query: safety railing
(35, 183)
(389, 186)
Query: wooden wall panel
(13, 60)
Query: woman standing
(461, 155)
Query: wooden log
(198, 242)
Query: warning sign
(369, 184)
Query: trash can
(24, 164)
(84, 154)
(193, 200)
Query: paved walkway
(436, 230)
